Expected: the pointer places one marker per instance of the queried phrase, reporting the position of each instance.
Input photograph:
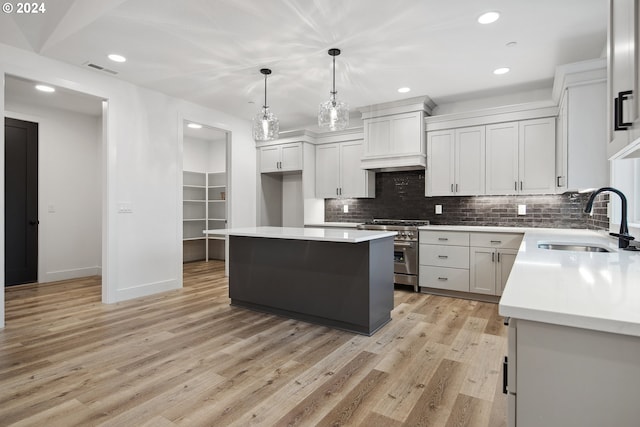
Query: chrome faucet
(623, 236)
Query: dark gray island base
(343, 285)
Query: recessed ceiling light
(116, 58)
(489, 17)
(404, 89)
(45, 88)
(194, 126)
(503, 70)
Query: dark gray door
(21, 201)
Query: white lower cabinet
(476, 262)
(444, 260)
(564, 376)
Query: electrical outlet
(522, 209)
(125, 207)
(345, 208)
(438, 209)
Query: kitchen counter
(296, 233)
(590, 290)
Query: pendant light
(265, 124)
(333, 114)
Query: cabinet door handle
(444, 239)
(443, 256)
(515, 185)
(498, 256)
(443, 278)
(456, 188)
(452, 188)
(520, 185)
(337, 193)
(493, 257)
(341, 191)
(505, 366)
(496, 242)
(618, 110)
(558, 181)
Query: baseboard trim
(145, 290)
(54, 276)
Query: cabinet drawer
(454, 238)
(444, 256)
(454, 279)
(496, 240)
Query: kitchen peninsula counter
(337, 278)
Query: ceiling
(210, 52)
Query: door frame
(179, 197)
(108, 165)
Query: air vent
(101, 68)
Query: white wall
(69, 191)
(196, 155)
(142, 166)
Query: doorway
(205, 190)
(21, 202)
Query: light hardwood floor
(187, 358)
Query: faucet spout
(623, 236)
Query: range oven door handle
(403, 244)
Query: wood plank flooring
(187, 358)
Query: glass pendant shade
(333, 114)
(265, 124)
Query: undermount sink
(572, 247)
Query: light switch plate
(522, 209)
(438, 209)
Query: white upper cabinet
(338, 172)
(536, 161)
(624, 102)
(456, 162)
(581, 148)
(521, 157)
(281, 157)
(502, 158)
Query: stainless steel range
(405, 247)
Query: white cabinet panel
(407, 133)
(506, 258)
(378, 136)
(444, 256)
(470, 161)
(434, 237)
(327, 170)
(291, 157)
(502, 158)
(536, 166)
(440, 163)
(270, 158)
(453, 279)
(355, 182)
(482, 270)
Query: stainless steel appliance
(405, 247)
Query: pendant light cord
(334, 76)
(265, 92)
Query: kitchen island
(338, 278)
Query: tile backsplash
(400, 195)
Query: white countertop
(334, 224)
(480, 228)
(590, 290)
(296, 233)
